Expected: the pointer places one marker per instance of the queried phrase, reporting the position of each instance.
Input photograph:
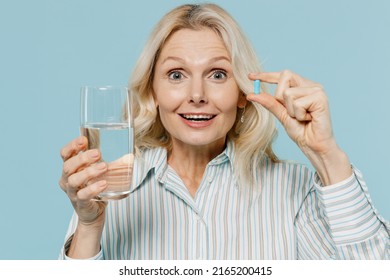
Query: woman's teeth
(197, 117)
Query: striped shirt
(292, 217)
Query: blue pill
(257, 86)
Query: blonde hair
(252, 138)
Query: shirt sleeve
(340, 222)
(68, 241)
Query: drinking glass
(106, 121)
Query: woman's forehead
(188, 42)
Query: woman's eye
(219, 75)
(175, 75)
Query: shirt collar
(150, 159)
(227, 154)
(156, 159)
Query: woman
(206, 183)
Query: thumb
(271, 104)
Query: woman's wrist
(332, 165)
(86, 241)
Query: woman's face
(195, 90)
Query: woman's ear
(241, 100)
(154, 98)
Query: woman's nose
(197, 92)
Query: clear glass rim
(89, 91)
(106, 87)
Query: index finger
(74, 147)
(268, 77)
(285, 77)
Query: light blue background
(49, 49)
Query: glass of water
(106, 121)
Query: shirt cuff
(348, 209)
(65, 249)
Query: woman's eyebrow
(218, 58)
(181, 60)
(172, 58)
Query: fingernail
(100, 165)
(101, 184)
(94, 153)
(80, 142)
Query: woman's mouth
(197, 117)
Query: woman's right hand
(78, 181)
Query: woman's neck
(190, 162)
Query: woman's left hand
(302, 108)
